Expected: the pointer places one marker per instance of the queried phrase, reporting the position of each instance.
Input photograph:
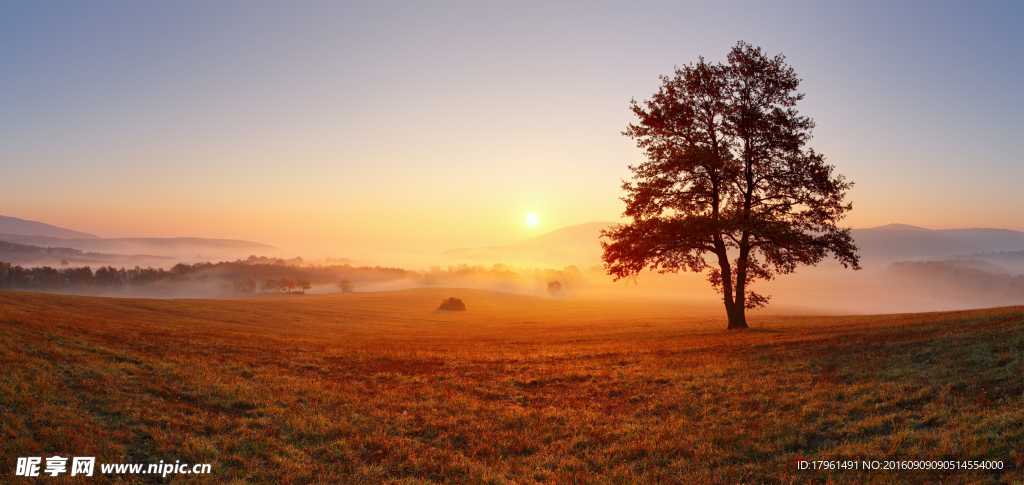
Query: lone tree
(728, 186)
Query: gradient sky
(341, 129)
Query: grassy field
(378, 388)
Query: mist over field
(905, 269)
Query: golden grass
(378, 388)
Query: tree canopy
(729, 187)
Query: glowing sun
(532, 220)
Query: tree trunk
(738, 318)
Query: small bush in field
(452, 305)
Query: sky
(340, 129)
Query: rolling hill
(14, 225)
(188, 248)
(32, 233)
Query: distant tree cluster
(51, 279)
(247, 286)
(253, 259)
(45, 278)
(315, 274)
(185, 268)
(110, 277)
(270, 285)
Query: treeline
(319, 275)
(270, 285)
(9, 247)
(296, 261)
(253, 275)
(52, 279)
(239, 276)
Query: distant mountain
(989, 239)
(13, 225)
(898, 227)
(27, 255)
(52, 242)
(189, 248)
(901, 242)
(579, 244)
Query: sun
(532, 220)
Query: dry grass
(377, 388)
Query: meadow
(368, 388)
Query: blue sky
(334, 127)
